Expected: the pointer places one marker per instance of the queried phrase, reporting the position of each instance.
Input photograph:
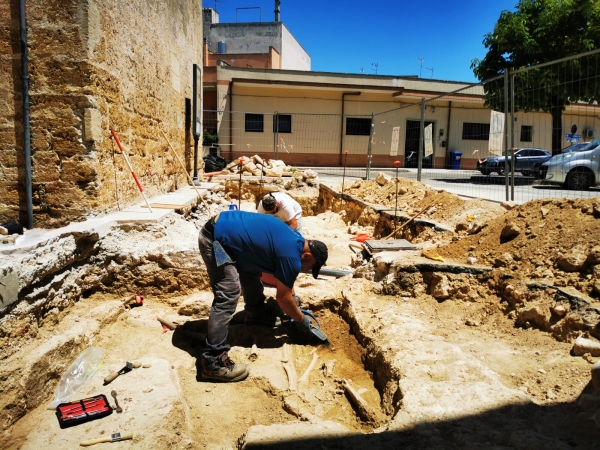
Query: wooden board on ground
(165, 206)
(391, 244)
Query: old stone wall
(96, 65)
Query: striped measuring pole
(137, 181)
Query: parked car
(574, 170)
(528, 161)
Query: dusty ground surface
(484, 362)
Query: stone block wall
(96, 65)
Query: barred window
(358, 127)
(255, 123)
(526, 133)
(283, 124)
(476, 131)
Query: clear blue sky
(343, 36)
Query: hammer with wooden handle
(115, 437)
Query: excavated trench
(84, 296)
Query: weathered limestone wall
(96, 65)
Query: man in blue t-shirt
(237, 247)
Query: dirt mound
(539, 239)
(414, 197)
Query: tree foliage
(537, 32)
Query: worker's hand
(306, 327)
(287, 303)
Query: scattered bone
(253, 352)
(328, 368)
(583, 346)
(362, 408)
(306, 373)
(288, 365)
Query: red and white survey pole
(137, 181)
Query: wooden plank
(391, 244)
(165, 206)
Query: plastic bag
(80, 370)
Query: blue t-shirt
(261, 242)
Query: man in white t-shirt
(284, 208)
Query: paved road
(466, 183)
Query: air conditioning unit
(590, 134)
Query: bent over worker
(284, 207)
(238, 246)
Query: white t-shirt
(288, 207)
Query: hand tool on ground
(186, 172)
(118, 409)
(167, 324)
(137, 181)
(115, 437)
(111, 376)
(135, 299)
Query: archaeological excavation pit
(472, 351)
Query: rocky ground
(472, 352)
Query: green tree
(541, 31)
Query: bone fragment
(362, 408)
(289, 368)
(583, 346)
(304, 376)
(328, 368)
(253, 352)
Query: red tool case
(80, 411)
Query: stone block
(92, 125)
(78, 170)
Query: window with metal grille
(255, 123)
(476, 131)
(526, 133)
(358, 127)
(283, 123)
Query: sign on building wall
(395, 139)
(496, 133)
(427, 136)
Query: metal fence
(494, 139)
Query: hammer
(111, 376)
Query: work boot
(224, 369)
(262, 318)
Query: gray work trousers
(226, 282)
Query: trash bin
(454, 163)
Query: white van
(574, 170)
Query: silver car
(579, 169)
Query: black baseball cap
(319, 251)
(269, 202)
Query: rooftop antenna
(216, 1)
(362, 70)
(375, 65)
(430, 68)
(420, 68)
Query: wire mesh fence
(526, 134)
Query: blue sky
(343, 36)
